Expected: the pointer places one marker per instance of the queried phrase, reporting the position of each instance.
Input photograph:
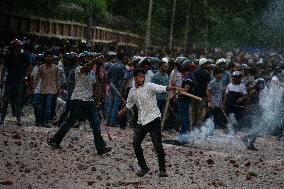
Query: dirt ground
(219, 162)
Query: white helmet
(236, 73)
(275, 79)
(221, 60)
(165, 59)
(203, 61)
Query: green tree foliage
(212, 23)
(30, 7)
(95, 8)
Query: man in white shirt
(144, 97)
(82, 103)
(235, 98)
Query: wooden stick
(191, 96)
(168, 99)
(118, 93)
(165, 110)
(105, 126)
(225, 115)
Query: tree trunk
(172, 25)
(205, 4)
(89, 36)
(148, 29)
(186, 27)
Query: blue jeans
(106, 104)
(36, 106)
(79, 108)
(113, 108)
(183, 116)
(47, 103)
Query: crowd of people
(119, 86)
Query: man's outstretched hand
(169, 88)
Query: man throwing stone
(82, 103)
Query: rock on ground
(219, 162)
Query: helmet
(203, 61)
(165, 59)
(210, 61)
(221, 61)
(136, 59)
(185, 64)
(187, 82)
(244, 66)
(259, 83)
(275, 79)
(96, 55)
(111, 54)
(195, 61)
(72, 57)
(145, 61)
(180, 59)
(82, 55)
(154, 59)
(85, 54)
(15, 44)
(213, 66)
(236, 74)
(39, 57)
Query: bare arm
(209, 94)
(122, 112)
(37, 77)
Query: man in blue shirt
(115, 76)
(161, 78)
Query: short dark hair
(217, 71)
(120, 55)
(48, 53)
(161, 63)
(231, 65)
(138, 71)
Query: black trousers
(13, 90)
(77, 110)
(64, 115)
(220, 120)
(140, 131)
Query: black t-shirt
(17, 67)
(183, 98)
(202, 78)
